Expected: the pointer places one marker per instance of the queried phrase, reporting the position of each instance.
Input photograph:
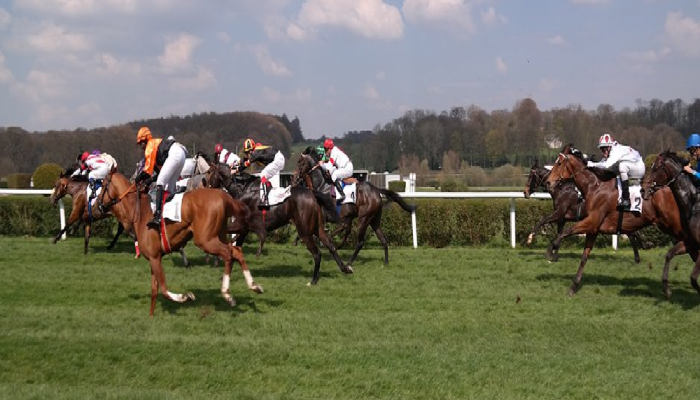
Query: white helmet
(605, 140)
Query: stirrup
(154, 223)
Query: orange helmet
(605, 140)
(328, 144)
(84, 156)
(218, 148)
(143, 135)
(248, 145)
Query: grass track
(434, 324)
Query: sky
(337, 65)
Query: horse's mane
(601, 173)
(675, 157)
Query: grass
(451, 323)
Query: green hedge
(440, 222)
(45, 175)
(397, 186)
(19, 181)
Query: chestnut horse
(599, 188)
(568, 206)
(303, 208)
(367, 208)
(667, 172)
(205, 218)
(77, 189)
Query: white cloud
(501, 65)
(89, 109)
(300, 96)
(641, 62)
(268, 65)
(556, 40)
(55, 39)
(40, 86)
(491, 18)
(224, 37)
(367, 18)
(684, 33)
(371, 92)
(547, 85)
(452, 14)
(5, 18)
(203, 80)
(77, 7)
(5, 73)
(177, 55)
(107, 64)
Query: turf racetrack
(451, 323)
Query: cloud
(5, 18)
(366, 18)
(556, 40)
(299, 96)
(371, 93)
(5, 73)
(641, 62)
(268, 65)
(177, 55)
(40, 86)
(380, 76)
(203, 80)
(450, 14)
(491, 18)
(107, 64)
(501, 65)
(547, 85)
(590, 2)
(683, 32)
(77, 7)
(55, 39)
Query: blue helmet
(693, 141)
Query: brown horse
(77, 189)
(367, 208)
(667, 172)
(600, 191)
(205, 218)
(569, 206)
(303, 208)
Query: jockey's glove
(142, 177)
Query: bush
(19, 181)
(397, 186)
(45, 175)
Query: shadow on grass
(687, 299)
(246, 301)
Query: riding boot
(339, 189)
(625, 198)
(155, 222)
(266, 193)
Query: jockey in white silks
(628, 161)
(338, 164)
(97, 167)
(224, 156)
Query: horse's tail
(244, 219)
(327, 204)
(395, 197)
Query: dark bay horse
(206, 218)
(569, 206)
(367, 208)
(303, 208)
(667, 172)
(599, 188)
(77, 189)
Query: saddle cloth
(350, 193)
(277, 195)
(172, 210)
(635, 195)
(94, 199)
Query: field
(451, 323)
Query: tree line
(419, 141)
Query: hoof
(349, 270)
(257, 288)
(190, 296)
(230, 301)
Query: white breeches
(632, 169)
(99, 172)
(274, 167)
(342, 173)
(170, 172)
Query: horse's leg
(376, 225)
(315, 253)
(158, 275)
(328, 242)
(184, 258)
(590, 241)
(362, 224)
(87, 237)
(346, 228)
(678, 248)
(237, 255)
(120, 229)
(553, 250)
(636, 243)
(547, 219)
(74, 216)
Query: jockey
(270, 157)
(224, 156)
(693, 147)
(164, 157)
(627, 160)
(338, 164)
(97, 166)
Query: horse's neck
(76, 187)
(318, 180)
(587, 182)
(201, 165)
(686, 194)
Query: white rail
(61, 208)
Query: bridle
(298, 176)
(540, 180)
(655, 186)
(114, 201)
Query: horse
(667, 172)
(205, 218)
(303, 208)
(77, 188)
(600, 191)
(568, 206)
(367, 208)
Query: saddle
(350, 180)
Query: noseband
(656, 187)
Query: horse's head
(305, 164)
(569, 163)
(535, 179)
(213, 177)
(667, 167)
(60, 189)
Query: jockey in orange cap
(270, 157)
